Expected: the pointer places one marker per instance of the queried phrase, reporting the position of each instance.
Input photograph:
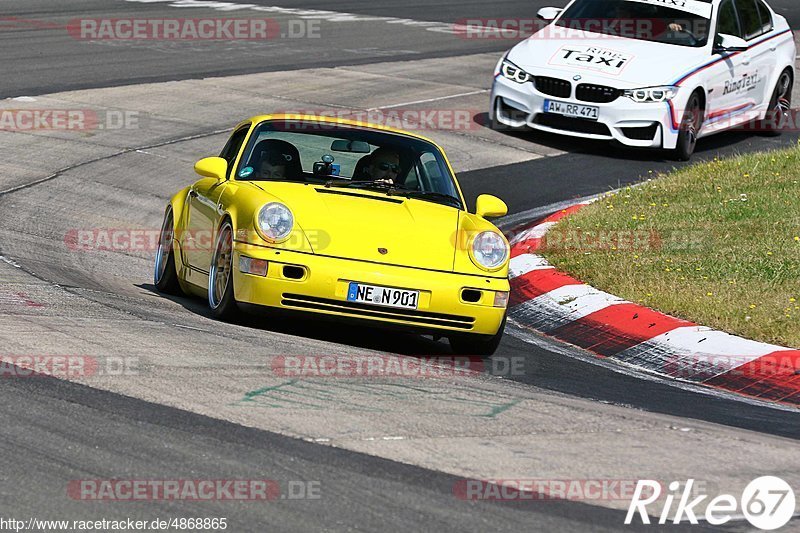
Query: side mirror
(212, 167)
(548, 13)
(488, 206)
(729, 43)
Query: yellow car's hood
(371, 226)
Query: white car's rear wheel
(779, 106)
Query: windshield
(642, 19)
(336, 155)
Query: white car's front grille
(553, 86)
(599, 94)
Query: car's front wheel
(689, 129)
(165, 277)
(221, 299)
(480, 345)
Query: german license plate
(572, 110)
(385, 296)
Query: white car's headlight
(275, 221)
(489, 250)
(652, 94)
(514, 73)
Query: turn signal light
(256, 267)
(501, 299)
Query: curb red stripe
(558, 215)
(618, 327)
(773, 377)
(538, 282)
(525, 247)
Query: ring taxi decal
(742, 85)
(593, 58)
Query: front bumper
(629, 123)
(316, 284)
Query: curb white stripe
(536, 232)
(563, 306)
(522, 264)
(696, 353)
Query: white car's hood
(616, 61)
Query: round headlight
(640, 95)
(489, 250)
(275, 221)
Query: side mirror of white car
(548, 13)
(730, 43)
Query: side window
(766, 16)
(727, 21)
(233, 146)
(750, 17)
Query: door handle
(745, 61)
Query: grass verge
(716, 243)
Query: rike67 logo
(768, 503)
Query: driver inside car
(383, 167)
(278, 160)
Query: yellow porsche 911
(343, 220)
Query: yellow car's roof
(333, 120)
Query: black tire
(690, 126)
(779, 106)
(165, 277)
(221, 299)
(480, 345)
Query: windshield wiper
(437, 197)
(393, 190)
(369, 183)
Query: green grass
(716, 243)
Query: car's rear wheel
(779, 106)
(480, 345)
(221, 299)
(165, 277)
(689, 129)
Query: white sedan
(649, 73)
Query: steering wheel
(695, 40)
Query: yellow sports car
(338, 219)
